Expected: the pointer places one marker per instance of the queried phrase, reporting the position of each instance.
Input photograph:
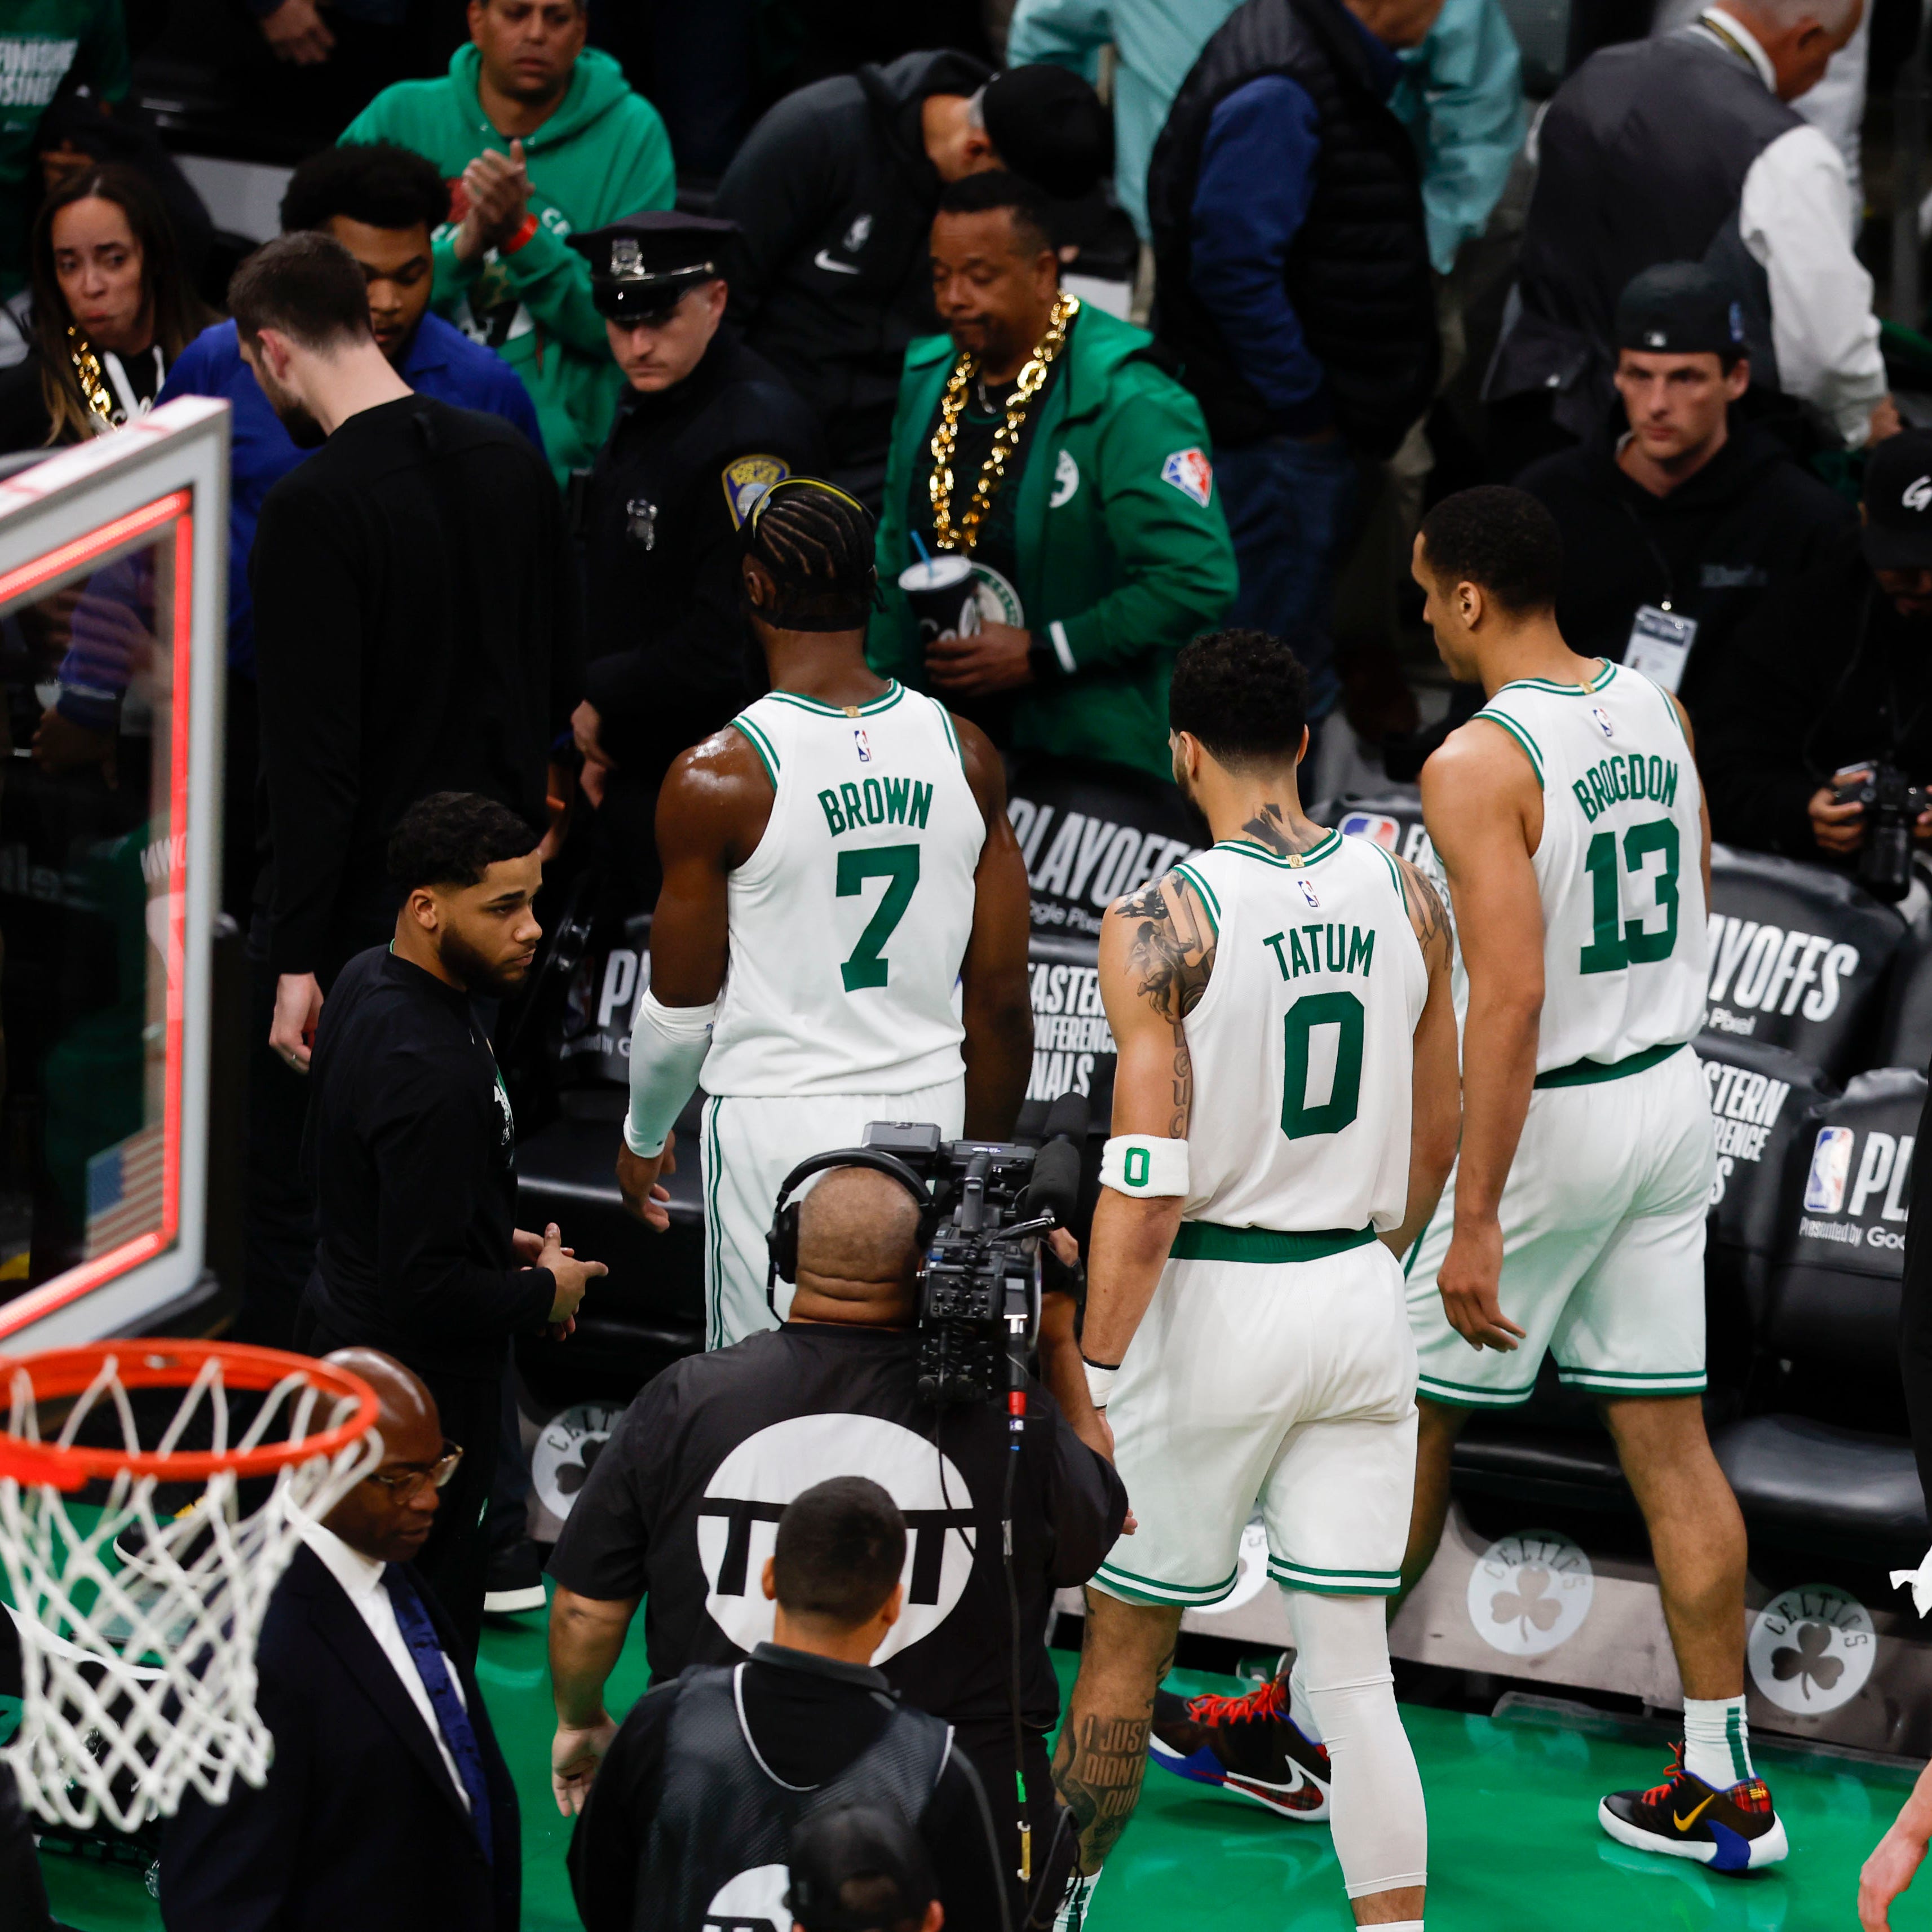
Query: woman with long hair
(111, 310)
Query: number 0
(1342, 1011)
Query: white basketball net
(138, 1673)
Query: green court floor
(1514, 1845)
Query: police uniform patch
(1191, 473)
(746, 479)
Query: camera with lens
(1892, 804)
(992, 1202)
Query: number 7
(898, 865)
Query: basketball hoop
(138, 1569)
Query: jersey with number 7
(848, 923)
(1618, 867)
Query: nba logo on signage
(1371, 825)
(1830, 1170)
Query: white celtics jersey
(1619, 866)
(848, 923)
(1303, 1045)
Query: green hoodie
(603, 154)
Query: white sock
(1400, 1925)
(1716, 1741)
(1072, 1916)
(1299, 1707)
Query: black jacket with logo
(1749, 522)
(836, 195)
(1826, 675)
(683, 1506)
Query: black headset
(782, 1239)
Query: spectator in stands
(1460, 94)
(835, 190)
(383, 203)
(537, 135)
(1676, 530)
(1281, 170)
(387, 1807)
(1685, 149)
(1086, 503)
(706, 427)
(111, 312)
(43, 43)
(416, 629)
(1835, 673)
(755, 1745)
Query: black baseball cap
(857, 1869)
(1679, 308)
(641, 265)
(1897, 498)
(1048, 125)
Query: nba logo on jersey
(1603, 718)
(1830, 1168)
(862, 744)
(1371, 825)
(1308, 893)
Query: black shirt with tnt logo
(682, 1508)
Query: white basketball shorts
(1287, 1384)
(749, 1146)
(1602, 1218)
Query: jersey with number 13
(847, 924)
(1618, 867)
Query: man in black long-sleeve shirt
(416, 632)
(411, 1151)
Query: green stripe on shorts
(1132, 1588)
(1588, 1072)
(1210, 1241)
(1635, 1381)
(1334, 1582)
(1466, 1395)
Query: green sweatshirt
(603, 154)
(1124, 554)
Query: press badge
(1659, 641)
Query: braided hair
(815, 543)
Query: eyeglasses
(403, 1485)
(798, 483)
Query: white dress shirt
(361, 1580)
(1794, 215)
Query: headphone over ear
(781, 1241)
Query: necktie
(452, 1719)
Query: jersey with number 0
(848, 923)
(1619, 865)
(1303, 1045)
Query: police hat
(641, 266)
(1898, 500)
(1679, 308)
(876, 1853)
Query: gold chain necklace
(93, 384)
(1005, 438)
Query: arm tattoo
(1427, 912)
(1171, 957)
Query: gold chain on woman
(1005, 438)
(101, 405)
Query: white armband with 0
(1138, 1165)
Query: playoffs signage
(1857, 1194)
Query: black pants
(455, 1560)
(279, 1219)
(988, 1747)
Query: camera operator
(679, 1508)
(1830, 681)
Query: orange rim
(57, 1374)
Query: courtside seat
(1905, 1032)
(1823, 1463)
(1552, 1451)
(1800, 957)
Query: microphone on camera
(1054, 1188)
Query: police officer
(706, 428)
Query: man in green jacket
(537, 136)
(1080, 491)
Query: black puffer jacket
(836, 195)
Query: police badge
(746, 479)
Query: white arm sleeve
(668, 1045)
(1793, 218)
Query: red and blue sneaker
(1249, 1745)
(1731, 1831)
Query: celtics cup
(944, 597)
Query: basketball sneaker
(1731, 1831)
(1249, 1745)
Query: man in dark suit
(387, 1807)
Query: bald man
(682, 1508)
(387, 1807)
